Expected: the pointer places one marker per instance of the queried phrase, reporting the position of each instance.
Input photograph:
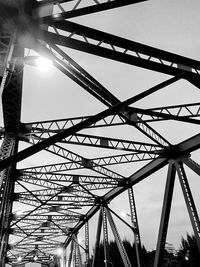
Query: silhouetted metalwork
(60, 198)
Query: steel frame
(64, 203)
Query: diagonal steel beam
(183, 148)
(118, 240)
(192, 211)
(76, 11)
(193, 165)
(30, 212)
(63, 134)
(120, 49)
(102, 93)
(81, 77)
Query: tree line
(187, 255)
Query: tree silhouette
(188, 254)
(114, 257)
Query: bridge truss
(62, 197)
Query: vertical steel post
(134, 221)
(71, 253)
(189, 201)
(165, 215)
(105, 237)
(11, 101)
(6, 50)
(87, 250)
(74, 255)
(78, 258)
(98, 235)
(118, 240)
(65, 257)
(7, 188)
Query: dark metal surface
(178, 63)
(159, 255)
(96, 6)
(189, 201)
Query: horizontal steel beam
(60, 124)
(96, 141)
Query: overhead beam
(144, 172)
(183, 148)
(59, 136)
(75, 12)
(67, 132)
(120, 49)
(102, 94)
(187, 146)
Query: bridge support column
(7, 180)
(11, 102)
(135, 224)
(165, 215)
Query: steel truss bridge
(61, 198)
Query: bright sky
(169, 25)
